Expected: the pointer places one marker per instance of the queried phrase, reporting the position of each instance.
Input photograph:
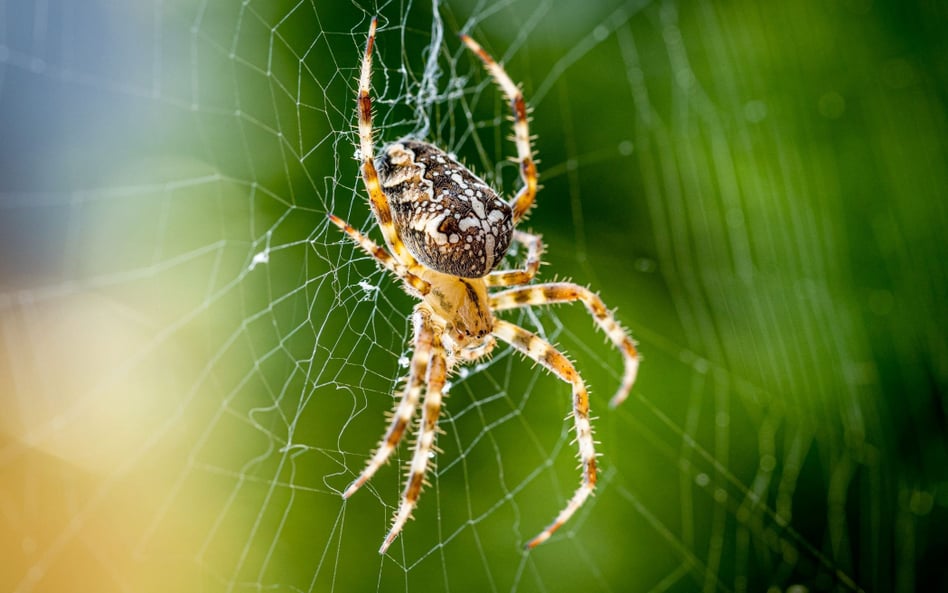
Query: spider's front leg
(567, 292)
(370, 177)
(544, 353)
(514, 277)
(431, 409)
(383, 257)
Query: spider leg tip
(469, 41)
(388, 542)
(617, 400)
(536, 541)
(351, 489)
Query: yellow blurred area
(76, 400)
(104, 404)
(78, 435)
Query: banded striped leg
(567, 292)
(370, 176)
(542, 352)
(477, 352)
(528, 171)
(383, 257)
(437, 374)
(409, 401)
(514, 277)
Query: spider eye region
(448, 217)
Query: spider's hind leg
(427, 430)
(405, 409)
(528, 170)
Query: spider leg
(542, 352)
(370, 177)
(477, 352)
(567, 292)
(405, 409)
(514, 277)
(383, 257)
(528, 171)
(431, 408)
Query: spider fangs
(446, 231)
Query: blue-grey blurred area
(194, 364)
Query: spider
(446, 230)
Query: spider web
(194, 364)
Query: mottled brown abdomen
(449, 219)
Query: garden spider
(446, 230)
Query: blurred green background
(193, 365)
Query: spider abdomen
(449, 218)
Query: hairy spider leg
(383, 257)
(544, 353)
(477, 352)
(528, 170)
(567, 292)
(405, 409)
(520, 276)
(370, 177)
(431, 409)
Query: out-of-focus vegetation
(193, 365)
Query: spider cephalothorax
(446, 231)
